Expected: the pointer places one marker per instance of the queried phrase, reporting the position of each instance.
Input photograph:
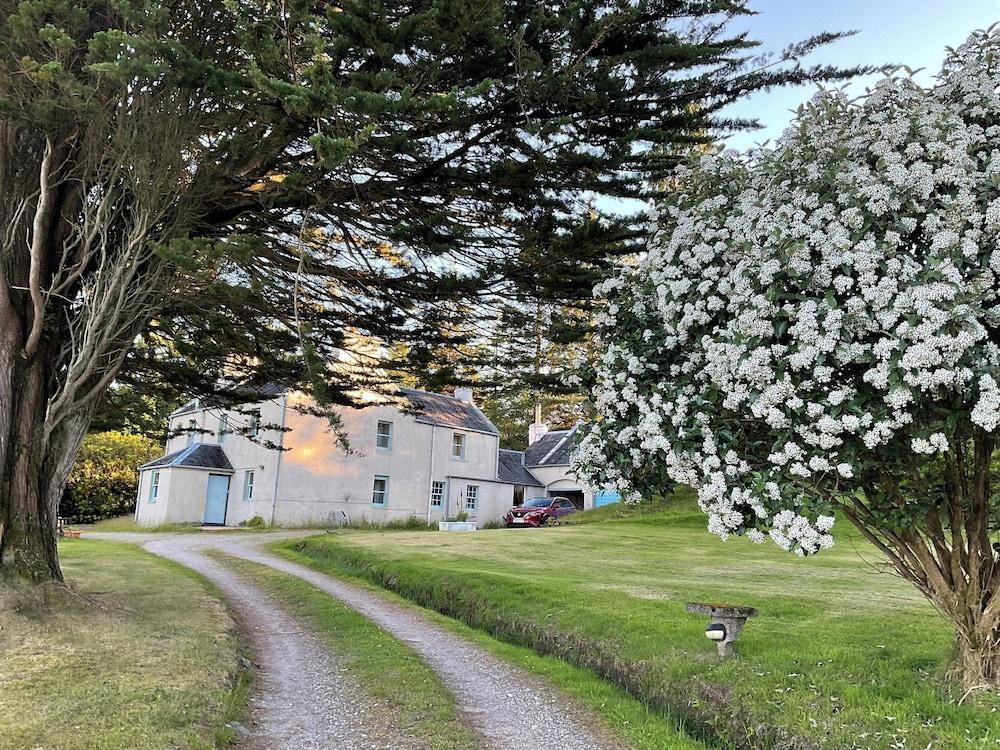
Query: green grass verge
(381, 666)
(840, 657)
(612, 708)
(127, 523)
(140, 655)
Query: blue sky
(907, 32)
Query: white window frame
(191, 429)
(224, 428)
(254, 428)
(154, 486)
(248, 486)
(458, 441)
(437, 494)
(387, 435)
(472, 497)
(384, 492)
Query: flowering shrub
(807, 310)
(815, 327)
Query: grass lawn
(841, 656)
(378, 664)
(141, 657)
(629, 718)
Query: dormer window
(383, 436)
(458, 445)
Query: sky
(905, 32)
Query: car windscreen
(537, 502)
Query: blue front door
(216, 499)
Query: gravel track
(299, 695)
(300, 698)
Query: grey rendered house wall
(315, 481)
(319, 482)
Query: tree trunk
(977, 657)
(966, 591)
(950, 556)
(35, 459)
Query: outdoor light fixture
(715, 631)
(725, 622)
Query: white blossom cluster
(811, 313)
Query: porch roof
(195, 456)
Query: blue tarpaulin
(606, 497)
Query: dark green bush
(104, 478)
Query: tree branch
(37, 251)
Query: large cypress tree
(225, 192)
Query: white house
(430, 456)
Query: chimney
(536, 432)
(538, 428)
(464, 394)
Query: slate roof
(196, 455)
(266, 391)
(448, 411)
(552, 449)
(190, 406)
(511, 469)
(250, 393)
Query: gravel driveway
(300, 697)
(300, 702)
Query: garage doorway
(576, 496)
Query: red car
(539, 511)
